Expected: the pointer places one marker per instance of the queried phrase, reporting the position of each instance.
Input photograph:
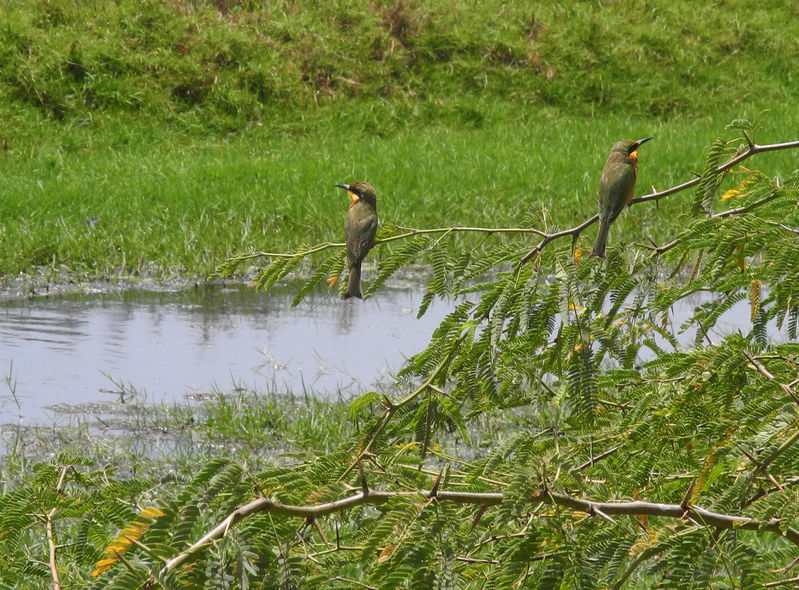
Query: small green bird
(616, 187)
(360, 228)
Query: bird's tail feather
(354, 282)
(601, 240)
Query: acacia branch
(790, 582)
(408, 233)
(440, 230)
(574, 232)
(594, 460)
(752, 149)
(767, 374)
(295, 254)
(392, 407)
(726, 213)
(695, 514)
(51, 533)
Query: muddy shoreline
(56, 283)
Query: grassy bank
(259, 428)
(163, 204)
(225, 64)
(159, 138)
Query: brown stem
(767, 374)
(790, 582)
(597, 459)
(726, 213)
(51, 533)
(408, 233)
(573, 232)
(696, 514)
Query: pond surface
(60, 352)
(59, 355)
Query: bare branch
(793, 230)
(696, 514)
(407, 233)
(410, 231)
(574, 232)
(790, 582)
(352, 582)
(726, 213)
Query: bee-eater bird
(616, 187)
(360, 228)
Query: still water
(59, 355)
(61, 352)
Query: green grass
(198, 130)
(169, 205)
(227, 64)
(258, 428)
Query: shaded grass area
(162, 204)
(232, 63)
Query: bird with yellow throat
(360, 228)
(616, 187)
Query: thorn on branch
(477, 517)
(686, 499)
(434, 489)
(595, 511)
(364, 485)
(315, 522)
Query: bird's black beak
(644, 140)
(346, 187)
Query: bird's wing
(365, 228)
(614, 195)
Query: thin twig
(767, 374)
(643, 556)
(411, 231)
(573, 232)
(594, 460)
(355, 582)
(790, 582)
(657, 195)
(306, 252)
(658, 251)
(408, 233)
(391, 407)
(793, 230)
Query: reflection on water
(72, 350)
